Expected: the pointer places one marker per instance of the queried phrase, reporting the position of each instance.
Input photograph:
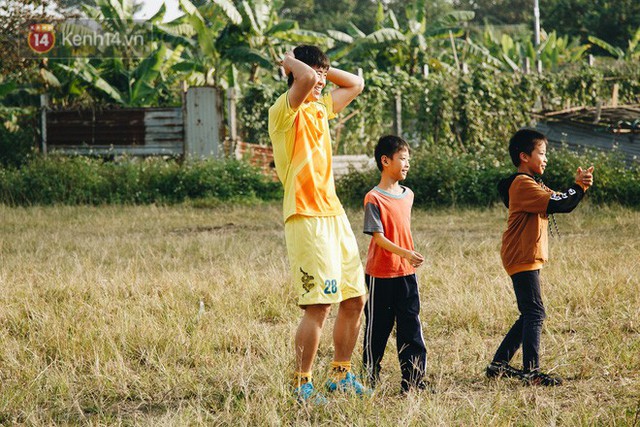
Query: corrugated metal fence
(195, 130)
(137, 131)
(603, 128)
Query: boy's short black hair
(312, 56)
(524, 141)
(389, 145)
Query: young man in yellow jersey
(323, 253)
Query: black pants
(394, 301)
(527, 329)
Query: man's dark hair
(389, 145)
(312, 56)
(524, 141)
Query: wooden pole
(614, 95)
(362, 134)
(185, 131)
(398, 115)
(536, 34)
(233, 125)
(598, 112)
(536, 24)
(398, 108)
(455, 53)
(44, 106)
(527, 65)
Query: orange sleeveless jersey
(391, 215)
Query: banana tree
(262, 38)
(555, 52)
(392, 45)
(357, 47)
(116, 17)
(444, 39)
(250, 37)
(117, 72)
(503, 52)
(197, 30)
(631, 54)
(430, 42)
(144, 84)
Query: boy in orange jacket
(525, 250)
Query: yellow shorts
(324, 259)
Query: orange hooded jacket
(525, 241)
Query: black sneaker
(539, 378)
(420, 386)
(502, 369)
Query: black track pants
(396, 301)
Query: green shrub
(442, 179)
(615, 182)
(437, 179)
(83, 180)
(16, 139)
(253, 111)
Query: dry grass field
(101, 321)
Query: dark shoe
(420, 386)
(372, 380)
(539, 378)
(501, 369)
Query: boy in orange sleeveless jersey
(323, 253)
(390, 270)
(525, 250)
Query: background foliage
(459, 113)
(17, 139)
(437, 178)
(465, 180)
(254, 111)
(456, 118)
(83, 180)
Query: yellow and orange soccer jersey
(302, 155)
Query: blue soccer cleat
(307, 393)
(348, 385)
